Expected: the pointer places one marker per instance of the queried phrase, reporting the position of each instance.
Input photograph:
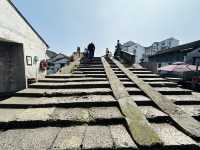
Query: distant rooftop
(185, 47)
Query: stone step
(142, 72)
(193, 110)
(55, 80)
(68, 102)
(173, 138)
(94, 66)
(104, 75)
(153, 79)
(142, 100)
(93, 69)
(72, 137)
(92, 84)
(90, 137)
(155, 115)
(89, 72)
(162, 90)
(102, 137)
(90, 66)
(40, 117)
(148, 75)
(95, 72)
(78, 76)
(30, 92)
(89, 101)
(96, 75)
(65, 76)
(184, 99)
(153, 84)
(138, 69)
(70, 85)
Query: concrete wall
(153, 66)
(14, 28)
(12, 71)
(127, 58)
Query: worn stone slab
(62, 92)
(28, 101)
(65, 76)
(87, 99)
(35, 114)
(54, 101)
(97, 137)
(90, 72)
(87, 84)
(96, 75)
(152, 113)
(71, 114)
(176, 89)
(100, 113)
(54, 80)
(139, 127)
(163, 90)
(69, 138)
(137, 69)
(7, 115)
(142, 72)
(153, 79)
(121, 137)
(66, 115)
(94, 69)
(187, 123)
(153, 84)
(90, 66)
(140, 98)
(32, 101)
(173, 137)
(28, 139)
(177, 99)
(193, 110)
(184, 99)
(87, 114)
(148, 75)
(89, 69)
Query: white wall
(14, 28)
(138, 50)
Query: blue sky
(66, 24)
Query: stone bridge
(101, 105)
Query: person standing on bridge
(91, 49)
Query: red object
(196, 80)
(43, 65)
(179, 68)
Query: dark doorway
(12, 69)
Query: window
(29, 60)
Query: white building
(57, 62)
(21, 49)
(133, 49)
(158, 46)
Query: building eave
(21, 15)
(182, 48)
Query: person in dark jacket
(91, 49)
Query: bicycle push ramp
(102, 105)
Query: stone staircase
(80, 111)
